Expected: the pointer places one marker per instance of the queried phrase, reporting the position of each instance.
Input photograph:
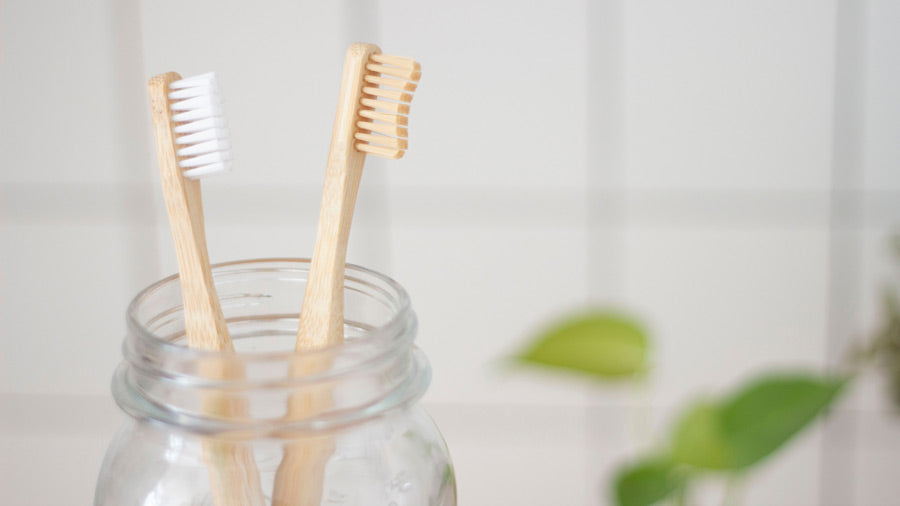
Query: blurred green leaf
(761, 417)
(699, 439)
(753, 423)
(604, 344)
(895, 244)
(647, 483)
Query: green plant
(728, 436)
(723, 437)
(601, 344)
(882, 351)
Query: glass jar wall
(209, 428)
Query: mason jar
(198, 436)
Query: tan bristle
(381, 140)
(401, 72)
(380, 151)
(397, 61)
(392, 83)
(392, 107)
(386, 93)
(382, 128)
(385, 103)
(387, 118)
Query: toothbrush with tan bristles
(192, 142)
(376, 90)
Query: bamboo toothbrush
(376, 90)
(192, 142)
(370, 119)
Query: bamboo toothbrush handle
(234, 477)
(359, 128)
(300, 477)
(204, 323)
(322, 313)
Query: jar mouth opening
(392, 329)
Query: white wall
(728, 170)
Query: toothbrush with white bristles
(192, 142)
(201, 128)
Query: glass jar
(365, 441)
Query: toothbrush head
(201, 133)
(389, 84)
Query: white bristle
(201, 130)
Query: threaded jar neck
(376, 369)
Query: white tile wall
(60, 437)
(725, 170)
(874, 458)
(723, 303)
(882, 103)
(501, 102)
(279, 66)
(729, 94)
(480, 292)
(493, 464)
(56, 85)
(29, 459)
(65, 288)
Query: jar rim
(156, 362)
(149, 340)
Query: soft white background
(728, 170)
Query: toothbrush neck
(322, 314)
